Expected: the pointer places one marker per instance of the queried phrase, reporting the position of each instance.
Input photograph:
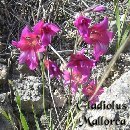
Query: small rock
(3, 73)
(29, 89)
(59, 98)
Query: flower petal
(25, 32)
(23, 45)
(90, 90)
(74, 88)
(82, 24)
(42, 48)
(99, 50)
(38, 27)
(23, 57)
(110, 35)
(46, 39)
(103, 25)
(32, 60)
(99, 8)
(54, 28)
(53, 68)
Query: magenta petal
(96, 97)
(93, 83)
(25, 32)
(38, 27)
(102, 25)
(100, 91)
(81, 52)
(32, 61)
(23, 57)
(104, 38)
(23, 45)
(84, 90)
(54, 28)
(42, 49)
(82, 20)
(53, 69)
(46, 39)
(89, 91)
(66, 75)
(82, 24)
(99, 50)
(99, 8)
(31, 64)
(87, 40)
(110, 35)
(74, 88)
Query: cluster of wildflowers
(80, 66)
(97, 35)
(78, 69)
(34, 40)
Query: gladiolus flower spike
(80, 70)
(97, 35)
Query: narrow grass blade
(125, 14)
(125, 34)
(22, 118)
(118, 23)
(36, 121)
(4, 114)
(123, 22)
(8, 116)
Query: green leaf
(36, 121)
(125, 34)
(4, 114)
(18, 101)
(120, 26)
(118, 23)
(22, 118)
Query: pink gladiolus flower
(81, 68)
(29, 45)
(45, 31)
(82, 24)
(54, 70)
(81, 63)
(100, 37)
(73, 79)
(89, 91)
(99, 8)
